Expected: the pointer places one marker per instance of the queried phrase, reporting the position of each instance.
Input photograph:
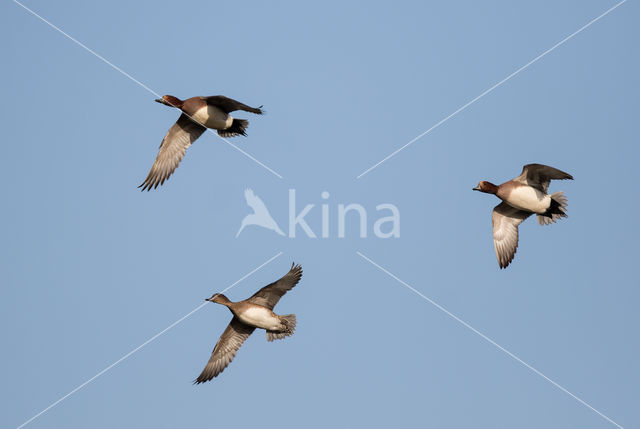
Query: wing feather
(539, 176)
(269, 295)
(172, 149)
(505, 220)
(228, 105)
(225, 350)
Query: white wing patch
(505, 221)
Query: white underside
(529, 199)
(260, 317)
(212, 117)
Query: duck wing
(539, 176)
(172, 149)
(505, 220)
(225, 350)
(269, 295)
(228, 105)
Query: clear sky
(91, 268)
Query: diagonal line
(465, 324)
(82, 45)
(118, 69)
(251, 272)
(245, 153)
(141, 346)
(584, 27)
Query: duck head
(218, 298)
(486, 187)
(171, 101)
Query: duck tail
(238, 127)
(556, 210)
(289, 322)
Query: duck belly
(212, 117)
(260, 317)
(529, 199)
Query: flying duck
(521, 197)
(198, 114)
(249, 314)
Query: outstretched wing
(539, 176)
(505, 220)
(228, 105)
(254, 201)
(225, 350)
(269, 295)
(172, 149)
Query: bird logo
(260, 215)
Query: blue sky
(92, 268)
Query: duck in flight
(198, 114)
(522, 197)
(249, 314)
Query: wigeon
(198, 114)
(521, 197)
(249, 314)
